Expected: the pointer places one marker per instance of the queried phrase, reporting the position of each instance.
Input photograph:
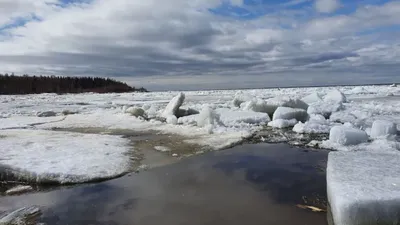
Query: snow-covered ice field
(353, 119)
(217, 119)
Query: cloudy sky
(204, 44)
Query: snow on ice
(247, 115)
(64, 157)
(287, 113)
(383, 128)
(173, 106)
(286, 101)
(317, 124)
(233, 118)
(312, 98)
(258, 105)
(18, 121)
(362, 176)
(241, 98)
(136, 111)
(346, 135)
(324, 108)
(281, 123)
(364, 187)
(207, 117)
(335, 96)
(189, 120)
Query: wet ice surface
(249, 184)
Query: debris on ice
(186, 112)
(162, 148)
(19, 190)
(25, 215)
(47, 114)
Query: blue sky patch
(18, 22)
(252, 9)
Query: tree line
(11, 84)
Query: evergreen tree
(11, 84)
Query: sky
(204, 44)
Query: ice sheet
(64, 157)
(287, 113)
(173, 106)
(324, 108)
(234, 118)
(383, 128)
(364, 187)
(346, 135)
(317, 124)
(16, 121)
(312, 98)
(335, 96)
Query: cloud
(326, 6)
(237, 2)
(141, 40)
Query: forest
(11, 84)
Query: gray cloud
(140, 41)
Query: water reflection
(286, 173)
(249, 184)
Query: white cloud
(14, 9)
(326, 6)
(182, 38)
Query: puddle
(248, 184)
(146, 145)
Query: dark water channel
(248, 184)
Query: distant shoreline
(20, 85)
(284, 87)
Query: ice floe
(64, 157)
